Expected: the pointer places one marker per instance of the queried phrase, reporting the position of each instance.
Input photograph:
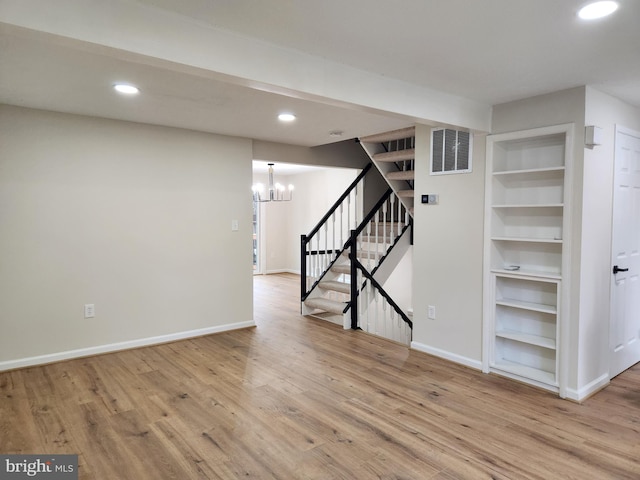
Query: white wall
(135, 219)
(605, 112)
(447, 253)
(278, 240)
(317, 192)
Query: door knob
(616, 269)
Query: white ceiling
(492, 51)
(46, 73)
(489, 51)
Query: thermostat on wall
(430, 198)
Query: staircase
(393, 153)
(333, 290)
(322, 259)
(343, 276)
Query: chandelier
(275, 192)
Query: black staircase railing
(326, 241)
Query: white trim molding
(282, 270)
(452, 357)
(114, 347)
(589, 389)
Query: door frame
(619, 129)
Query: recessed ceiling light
(286, 117)
(597, 10)
(126, 89)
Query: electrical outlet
(431, 312)
(234, 225)
(89, 310)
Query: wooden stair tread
(388, 136)
(402, 175)
(325, 304)
(380, 238)
(388, 228)
(369, 254)
(405, 193)
(335, 286)
(395, 156)
(343, 268)
(383, 237)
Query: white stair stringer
(389, 136)
(393, 258)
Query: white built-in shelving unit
(527, 233)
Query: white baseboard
(589, 389)
(114, 347)
(284, 270)
(453, 357)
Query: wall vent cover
(450, 151)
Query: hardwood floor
(297, 398)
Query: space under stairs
(347, 244)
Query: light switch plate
(89, 310)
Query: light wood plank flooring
(296, 398)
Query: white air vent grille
(450, 151)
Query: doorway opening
(277, 226)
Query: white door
(625, 265)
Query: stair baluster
(392, 224)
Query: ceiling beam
(183, 44)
